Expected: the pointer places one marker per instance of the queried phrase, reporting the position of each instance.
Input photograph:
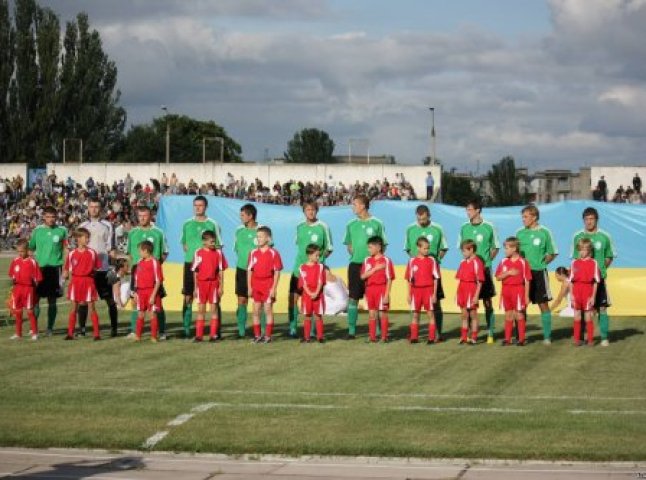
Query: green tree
(7, 53)
(503, 179)
(456, 189)
(147, 142)
(310, 145)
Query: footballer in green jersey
(604, 252)
(538, 247)
(357, 233)
(244, 242)
(49, 244)
(310, 231)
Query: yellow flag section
(625, 285)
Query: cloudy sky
(555, 83)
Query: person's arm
(116, 294)
(274, 287)
(477, 294)
(66, 267)
(550, 248)
(348, 239)
(493, 253)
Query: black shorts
(242, 289)
(440, 290)
(488, 289)
(539, 287)
(293, 286)
(103, 288)
(356, 286)
(188, 287)
(50, 287)
(602, 299)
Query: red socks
(431, 332)
(153, 327)
(71, 324)
(474, 335)
(414, 331)
(463, 334)
(522, 326)
(199, 328)
(319, 328)
(139, 328)
(307, 328)
(372, 329)
(95, 325)
(577, 331)
(33, 323)
(18, 315)
(384, 327)
(590, 332)
(269, 329)
(215, 325)
(509, 327)
(256, 330)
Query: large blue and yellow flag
(625, 223)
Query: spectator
(603, 188)
(430, 185)
(637, 183)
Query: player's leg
(488, 292)
(601, 303)
(464, 329)
(17, 313)
(214, 326)
(509, 326)
(188, 289)
(356, 290)
(292, 306)
(134, 315)
(437, 309)
(383, 318)
(307, 327)
(577, 325)
(413, 335)
(199, 322)
(268, 308)
(257, 333)
(475, 325)
(372, 324)
(243, 297)
(82, 319)
(94, 317)
(160, 313)
(71, 323)
(542, 297)
(432, 326)
(589, 327)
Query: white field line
(176, 422)
(154, 439)
(331, 394)
(607, 412)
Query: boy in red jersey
(422, 274)
(263, 274)
(515, 275)
(208, 270)
(148, 279)
(470, 276)
(378, 272)
(81, 263)
(25, 274)
(584, 278)
(311, 280)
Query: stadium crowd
(631, 194)
(21, 211)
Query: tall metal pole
(221, 149)
(433, 145)
(165, 109)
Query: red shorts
(466, 297)
(23, 296)
(260, 288)
(143, 300)
(313, 306)
(82, 289)
(512, 298)
(581, 295)
(421, 299)
(207, 291)
(375, 298)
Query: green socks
(187, 320)
(546, 321)
(604, 325)
(353, 315)
(52, 310)
(491, 321)
(241, 318)
(263, 321)
(161, 316)
(133, 321)
(37, 310)
(293, 320)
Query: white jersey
(336, 297)
(101, 240)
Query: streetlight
(165, 109)
(215, 139)
(364, 141)
(432, 109)
(80, 140)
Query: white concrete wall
(616, 176)
(268, 173)
(11, 170)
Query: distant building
(366, 159)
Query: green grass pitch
(340, 398)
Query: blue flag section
(625, 223)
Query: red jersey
(382, 276)
(25, 271)
(82, 263)
(265, 264)
(147, 273)
(422, 271)
(312, 276)
(524, 272)
(209, 263)
(585, 270)
(471, 271)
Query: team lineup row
(94, 273)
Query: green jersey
(485, 236)
(48, 243)
(535, 245)
(152, 234)
(602, 244)
(192, 231)
(243, 243)
(357, 233)
(432, 232)
(317, 233)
